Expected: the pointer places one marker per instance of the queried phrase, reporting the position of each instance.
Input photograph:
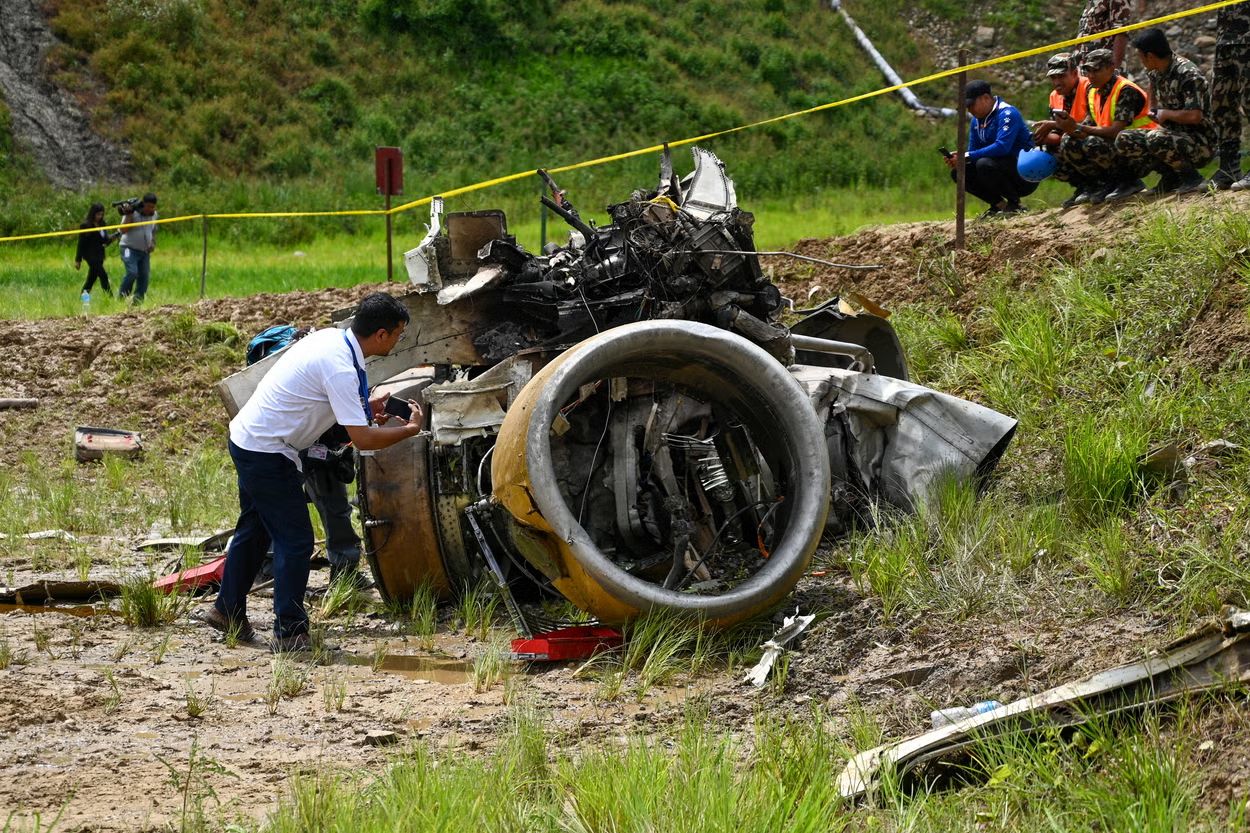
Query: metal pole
(204, 255)
(390, 258)
(962, 144)
(542, 223)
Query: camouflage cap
(1061, 64)
(1098, 59)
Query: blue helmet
(1036, 164)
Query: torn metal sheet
(709, 190)
(1213, 657)
(422, 262)
(42, 535)
(475, 407)
(206, 543)
(487, 276)
(906, 438)
(791, 628)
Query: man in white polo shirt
(318, 381)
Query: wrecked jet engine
(623, 423)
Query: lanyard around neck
(361, 378)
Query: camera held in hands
(129, 206)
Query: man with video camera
(137, 244)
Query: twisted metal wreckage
(623, 423)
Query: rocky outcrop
(1192, 37)
(47, 122)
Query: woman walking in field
(91, 244)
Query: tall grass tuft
(143, 606)
(477, 607)
(1100, 467)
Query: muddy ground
(94, 717)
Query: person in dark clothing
(91, 245)
(995, 138)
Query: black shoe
(1079, 197)
(1222, 180)
(1126, 189)
(1013, 208)
(1099, 194)
(1190, 181)
(989, 213)
(218, 621)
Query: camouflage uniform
(1085, 160)
(1175, 147)
(1099, 16)
(1230, 84)
(1088, 159)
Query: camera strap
(361, 378)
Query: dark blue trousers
(272, 509)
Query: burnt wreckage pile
(623, 422)
(681, 253)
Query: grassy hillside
(200, 89)
(252, 104)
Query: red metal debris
(567, 643)
(205, 574)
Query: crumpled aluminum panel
(908, 438)
(709, 190)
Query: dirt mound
(144, 370)
(920, 265)
(47, 120)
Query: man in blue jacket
(997, 135)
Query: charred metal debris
(623, 423)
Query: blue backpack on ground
(268, 341)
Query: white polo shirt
(312, 385)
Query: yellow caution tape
(937, 76)
(603, 160)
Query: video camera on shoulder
(129, 206)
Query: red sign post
(388, 168)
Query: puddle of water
(68, 610)
(444, 671)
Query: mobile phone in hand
(399, 407)
(945, 152)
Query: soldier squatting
(1106, 132)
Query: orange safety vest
(1080, 100)
(1104, 111)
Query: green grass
(778, 776)
(1090, 361)
(477, 608)
(143, 606)
(184, 492)
(330, 258)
